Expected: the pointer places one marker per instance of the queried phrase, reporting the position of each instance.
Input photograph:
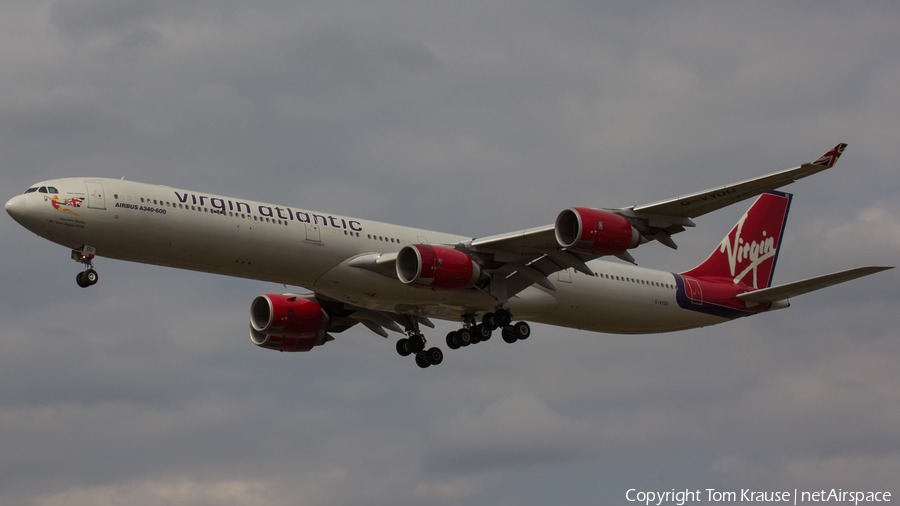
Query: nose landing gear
(85, 256)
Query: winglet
(828, 159)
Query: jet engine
(287, 323)
(595, 231)
(436, 267)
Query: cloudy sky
(471, 117)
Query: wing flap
(530, 239)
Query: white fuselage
(283, 244)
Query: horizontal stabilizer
(785, 291)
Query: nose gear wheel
(89, 276)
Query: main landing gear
(472, 333)
(89, 276)
(415, 344)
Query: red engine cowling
(436, 267)
(287, 323)
(595, 231)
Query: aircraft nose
(16, 207)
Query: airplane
(394, 278)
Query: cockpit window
(31, 190)
(43, 189)
(52, 189)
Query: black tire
(464, 336)
(504, 317)
(79, 278)
(416, 343)
(422, 360)
(490, 321)
(435, 356)
(90, 277)
(452, 341)
(403, 347)
(522, 330)
(508, 335)
(482, 332)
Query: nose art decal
(63, 205)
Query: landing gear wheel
(489, 320)
(79, 278)
(90, 277)
(403, 347)
(422, 360)
(416, 343)
(482, 332)
(452, 341)
(464, 336)
(508, 335)
(521, 330)
(434, 355)
(504, 317)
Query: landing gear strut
(85, 256)
(415, 344)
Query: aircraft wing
(782, 292)
(700, 203)
(519, 259)
(660, 220)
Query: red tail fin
(747, 255)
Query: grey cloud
(482, 119)
(516, 430)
